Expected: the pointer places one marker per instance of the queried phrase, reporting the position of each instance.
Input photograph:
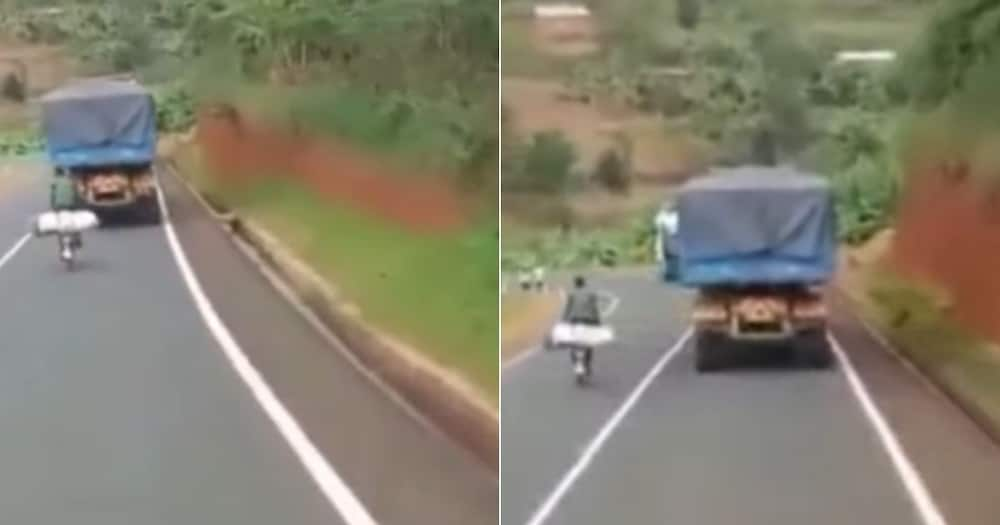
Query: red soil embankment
(948, 234)
(239, 150)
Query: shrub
(12, 88)
(865, 194)
(175, 108)
(688, 14)
(612, 172)
(545, 164)
(663, 97)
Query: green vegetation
(543, 165)
(760, 85)
(175, 108)
(947, 84)
(916, 319)
(409, 69)
(949, 78)
(559, 248)
(408, 284)
(19, 143)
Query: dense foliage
(15, 144)
(750, 81)
(419, 53)
(963, 37)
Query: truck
(101, 134)
(758, 245)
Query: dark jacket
(62, 194)
(583, 307)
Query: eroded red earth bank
(239, 150)
(948, 234)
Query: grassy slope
(438, 293)
(967, 365)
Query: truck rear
(758, 245)
(102, 135)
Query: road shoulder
(959, 463)
(376, 446)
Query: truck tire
(150, 212)
(812, 350)
(709, 351)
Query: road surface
(651, 441)
(119, 405)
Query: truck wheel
(813, 350)
(709, 352)
(151, 212)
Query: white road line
(924, 504)
(613, 301)
(521, 357)
(550, 503)
(907, 363)
(524, 355)
(332, 486)
(14, 249)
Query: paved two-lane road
(119, 407)
(651, 441)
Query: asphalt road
(651, 441)
(119, 406)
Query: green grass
(527, 247)
(20, 142)
(436, 292)
(969, 365)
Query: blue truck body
(101, 135)
(94, 123)
(754, 226)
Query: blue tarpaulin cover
(99, 122)
(756, 225)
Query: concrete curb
(926, 374)
(437, 396)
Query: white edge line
(613, 301)
(523, 356)
(553, 499)
(924, 504)
(310, 317)
(14, 249)
(330, 484)
(530, 352)
(903, 360)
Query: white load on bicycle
(581, 329)
(68, 227)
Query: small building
(564, 28)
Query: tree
(545, 164)
(688, 14)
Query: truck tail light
(710, 313)
(812, 309)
